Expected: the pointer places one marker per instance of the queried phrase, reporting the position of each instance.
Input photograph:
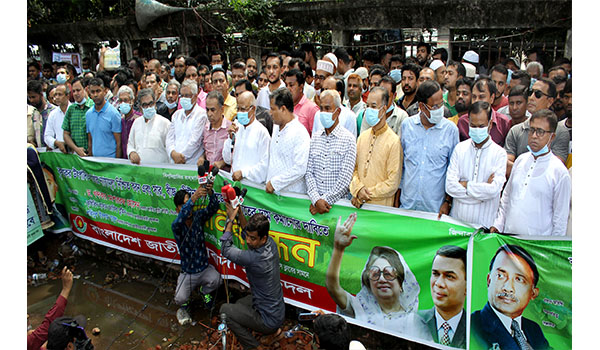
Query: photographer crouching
(189, 235)
(264, 310)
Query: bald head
(426, 74)
(329, 83)
(154, 66)
(245, 98)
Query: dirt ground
(134, 310)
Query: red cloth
(500, 127)
(503, 102)
(36, 339)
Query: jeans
(242, 319)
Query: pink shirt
(213, 140)
(500, 127)
(305, 111)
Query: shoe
(183, 317)
(209, 302)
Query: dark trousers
(242, 319)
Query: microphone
(202, 179)
(239, 196)
(227, 192)
(212, 173)
(206, 165)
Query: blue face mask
(171, 105)
(124, 108)
(478, 135)
(543, 150)
(173, 71)
(85, 70)
(396, 74)
(390, 109)
(215, 66)
(149, 112)
(326, 119)
(186, 103)
(435, 115)
(61, 78)
(243, 118)
(82, 101)
(372, 116)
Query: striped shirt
(330, 164)
(478, 202)
(74, 123)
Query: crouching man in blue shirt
(262, 311)
(189, 235)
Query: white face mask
(435, 115)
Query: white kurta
(288, 157)
(149, 139)
(250, 152)
(536, 198)
(478, 202)
(185, 134)
(262, 99)
(54, 129)
(347, 120)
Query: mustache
(508, 296)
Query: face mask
(82, 101)
(396, 74)
(149, 112)
(44, 94)
(541, 151)
(85, 70)
(171, 105)
(124, 108)
(364, 90)
(186, 103)
(326, 119)
(372, 116)
(61, 78)
(533, 80)
(436, 115)
(478, 135)
(215, 66)
(390, 109)
(173, 71)
(243, 118)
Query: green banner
(34, 227)
(382, 280)
(508, 288)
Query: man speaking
(511, 285)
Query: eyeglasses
(438, 106)
(538, 132)
(538, 93)
(389, 273)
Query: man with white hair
(184, 140)
(535, 70)
(148, 137)
(249, 154)
(126, 100)
(168, 108)
(331, 158)
(347, 118)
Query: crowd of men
(488, 146)
(491, 147)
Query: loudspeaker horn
(147, 11)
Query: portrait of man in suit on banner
(512, 284)
(446, 321)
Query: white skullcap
(435, 64)
(356, 345)
(471, 56)
(470, 70)
(326, 66)
(362, 72)
(333, 59)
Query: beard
(461, 106)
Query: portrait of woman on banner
(389, 294)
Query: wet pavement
(134, 310)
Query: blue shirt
(190, 240)
(101, 125)
(426, 158)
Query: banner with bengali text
(130, 207)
